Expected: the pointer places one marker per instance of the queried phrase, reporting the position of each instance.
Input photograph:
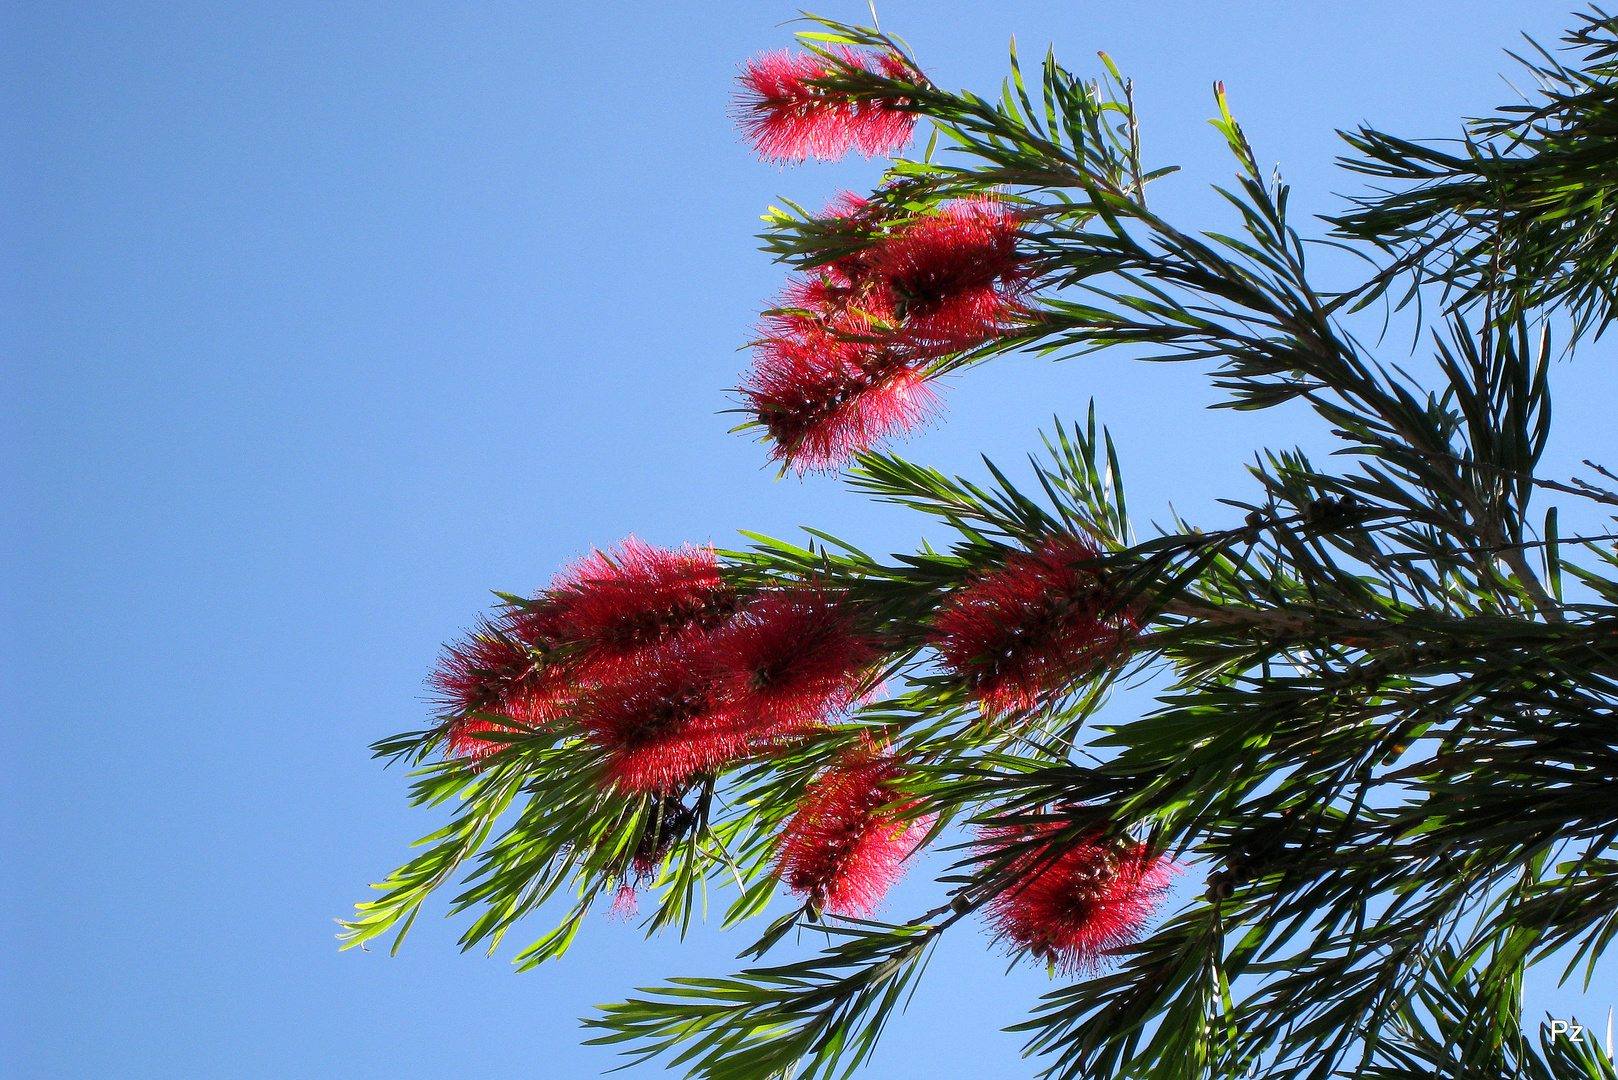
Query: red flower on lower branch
(1073, 905)
(789, 659)
(788, 119)
(1033, 628)
(841, 850)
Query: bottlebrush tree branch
(1382, 735)
(1519, 208)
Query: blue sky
(325, 319)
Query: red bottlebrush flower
(851, 225)
(844, 360)
(1031, 628)
(955, 277)
(537, 623)
(787, 119)
(839, 850)
(822, 399)
(788, 660)
(835, 311)
(625, 902)
(661, 724)
(849, 205)
(1072, 906)
(494, 672)
(612, 606)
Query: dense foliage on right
(1384, 746)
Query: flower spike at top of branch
(788, 116)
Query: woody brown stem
(1271, 618)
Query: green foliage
(1519, 213)
(1385, 736)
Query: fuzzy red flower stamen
(853, 224)
(822, 398)
(955, 277)
(789, 659)
(788, 119)
(1033, 628)
(613, 606)
(1072, 906)
(495, 672)
(840, 850)
(846, 359)
(660, 725)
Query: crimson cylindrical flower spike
(789, 659)
(954, 278)
(823, 398)
(611, 607)
(495, 672)
(1033, 628)
(820, 413)
(1071, 906)
(839, 850)
(837, 299)
(844, 361)
(661, 724)
(852, 225)
(787, 119)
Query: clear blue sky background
(324, 319)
